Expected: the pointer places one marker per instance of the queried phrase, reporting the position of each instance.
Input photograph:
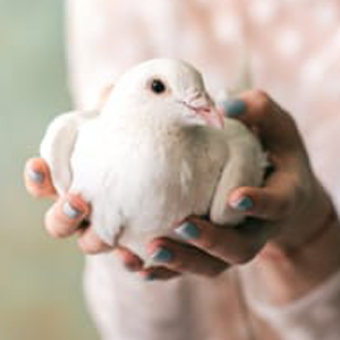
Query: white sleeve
(313, 317)
(124, 307)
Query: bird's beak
(204, 107)
(211, 116)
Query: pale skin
(293, 236)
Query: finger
(158, 273)
(90, 243)
(181, 257)
(275, 127)
(273, 202)
(131, 261)
(66, 215)
(231, 245)
(38, 179)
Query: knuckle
(283, 207)
(218, 270)
(261, 98)
(261, 102)
(259, 94)
(178, 265)
(209, 242)
(245, 256)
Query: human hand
(69, 214)
(288, 211)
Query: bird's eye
(157, 86)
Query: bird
(158, 151)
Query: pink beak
(205, 108)
(211, 115)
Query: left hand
(283, 215)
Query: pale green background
(40, 279)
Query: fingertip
(188, 231)
(131, 261)
(65, 216)
(37, 178)
(156, 243)
(34, 176)
(35, 163)
(35, 167)
(157, 274)
(53, 228)
(234, 108)
(268, 203)
(242, 199)
(78, 204)
(146, 275)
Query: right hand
(69, 214)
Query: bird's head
(172, 88)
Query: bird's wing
(58, 143)
(244, 167)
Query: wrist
(311, 219)
(289, 272)
(309, 241)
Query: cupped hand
(282, 216)
(69, 214)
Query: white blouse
(291, 49)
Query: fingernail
(162, 255)
(188, 231)
(234, 108)
(148, 277)
(35, 176)
(70, 211)
(243, 204)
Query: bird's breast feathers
(152, 178)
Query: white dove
(158, 152)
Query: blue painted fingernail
(149, 277)
(162, 255)
(70, 211)
(188, 231)
(234, 108)
(243, 204)
(35, 176)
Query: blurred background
(40, 279)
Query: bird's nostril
(200, 102)
(199, 99)
(193, 96)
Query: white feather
(58, 143)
